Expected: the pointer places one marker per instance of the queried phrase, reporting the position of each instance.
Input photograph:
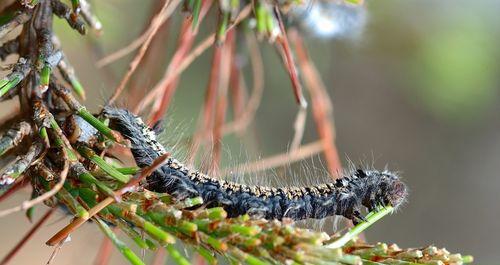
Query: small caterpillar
(344, 196)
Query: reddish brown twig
(17, 186)
(144, 173)
(286, 53)
(56, 251)
(167, 9)
(30, 203)
(206, 122)
(298, 126)
(221, 104)
(154, 56)
(165, 90)
(105, 250)
(185, 43)
(248, 113)
(77, 222)
(169, 77)
(275, 161)
(321, 106)
(27, 237)
(110, 58)
(160, 256)
(64, 233)
(237, 87)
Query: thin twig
(20, 18)
(206, 119)
(322, 107)
(144, 173)
(159, 258)
(63, 233)
(221, 103)
(302, 152)
(23, 182)
(27, 236)
(186, 41)
(299, 126)
(149, 64)
(169, 77)
(30, 203)
(77, 222)
(248, 113)
(167, 9)
(55, 252)
(104, 254)
(289, 62)
(238, 90)
(122, 52)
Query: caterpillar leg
(371, 205)
(355, 216)
(258, 213)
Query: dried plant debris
(69, 157)
(382, 253)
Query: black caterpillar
(344, 196)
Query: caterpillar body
(345, 196)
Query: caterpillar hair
(345, 196)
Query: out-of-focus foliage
(455, 69)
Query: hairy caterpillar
(345, 196)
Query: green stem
(196, 13)
(176, 255)
(30, 212)
(91, 155)
(207, 255)
(247, 258)
(79, 210)
(127, 252)
(221, 33)
(260, 15)
(134, 235)
(45, 76)
(68, 73)
(128, 170)
(87, 178)
(9, 85)
(96, 123)
(151, 229)
(371, 219)
(44, 135)
(467, 259)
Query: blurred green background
(418, 92)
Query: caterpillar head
(394, 191)
(385, 188)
